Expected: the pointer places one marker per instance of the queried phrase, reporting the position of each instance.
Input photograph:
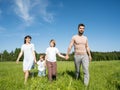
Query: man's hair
(81, 25)
(53, 42)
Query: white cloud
(47, 16)
(42, 6)
(22, 10)
(24, 7)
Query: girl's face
(41, 57)
(28, 40)
(51, 44)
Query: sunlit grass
(104, 75)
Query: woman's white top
(28, 60)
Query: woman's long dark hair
(28, 36)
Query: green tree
(16, 53)
(5, 56)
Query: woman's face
(51, 44)
(28, 40)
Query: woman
(29, 56)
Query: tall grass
(104, 75)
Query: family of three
(82, 56)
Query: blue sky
(58, 19)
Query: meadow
(104, 75)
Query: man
(82, 53)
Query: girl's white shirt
(41, 65)
(51, 54)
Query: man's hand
(90, 58)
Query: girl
(51, 60)
(29, 56)
(41, 66)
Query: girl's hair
(27, 37)
(53, 41)
(42, 56)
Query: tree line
(96, 56)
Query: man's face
(81, 30)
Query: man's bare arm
(88, 51)
(70, 46)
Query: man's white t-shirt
(51, 54)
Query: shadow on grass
(33, 74)
(71, 73)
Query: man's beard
(80, 33)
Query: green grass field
(104, 75)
